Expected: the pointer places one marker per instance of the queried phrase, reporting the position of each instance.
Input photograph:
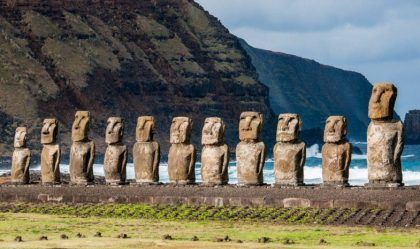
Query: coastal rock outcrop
(412, 127)
(313, 90)
(165, 58)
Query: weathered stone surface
(382, 101)
(413, 206)
(288, 127)
(181, 157)
(289, 152)
(335, 129)
(384, 149)
(296, 202)
(51, 153)
(289, 161)
(146, 152)
(384, 138)
(215, 153)
(82, 152)
(250, 153)
(115, 160)
(336, 152)
(21, 158)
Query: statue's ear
(345, 125)
(122, 127)
(300, 123)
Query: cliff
(123, 58)
(313, 90)
(412, 127)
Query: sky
(378, 38)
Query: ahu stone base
(403, 198)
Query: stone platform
(403, 198)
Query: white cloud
(379, 38)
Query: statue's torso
(384, 148)
(50, 169)
(20, 165)
(144, 156)
(248, 162)
(80, 156)
(114, 162)
(180, 158)
(212, 164)
(289, 159)
(335, 162)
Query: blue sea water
(312, 170)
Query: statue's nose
(248, 122)
(377, 96)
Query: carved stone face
(20, 137)
(250, 126)
(213, 131)
(145, 128)
(382, 101)
(180, 130)
(80, 126)
(288, 127)
(49, 131)
(335, 129)
(114, 130)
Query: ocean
(312, 170)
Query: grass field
(148, 233)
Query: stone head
(288, 127)
(114, 130)
(49, 131)
(145, 128)
(250, 126)
(80, 126)
(335, 129)
(180, 130)
(213, 131)
(382, 101)
(20, 137)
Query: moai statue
(21, 158)
(51, 153)
(250, 152)
(181, 158)
(336, 152)
(115, 159)
(215, 153)
(82, 153)
(289, 151)
(384, 139)
(146, 152)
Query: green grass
(148, 233)
(145, 225)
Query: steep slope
(121, 58)
(412, 127)
(313, 90)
